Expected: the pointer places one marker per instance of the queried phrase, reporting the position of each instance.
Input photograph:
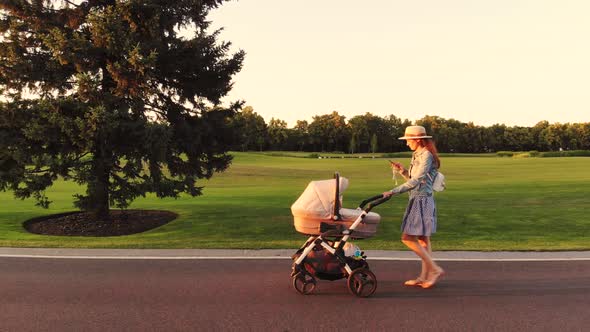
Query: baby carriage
(327, 254)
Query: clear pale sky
(515, 62)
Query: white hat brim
(414, 137)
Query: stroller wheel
(362, 282)
(304, 283)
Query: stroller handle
(373, 201)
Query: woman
(419, 221)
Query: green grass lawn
(490, 204)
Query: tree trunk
(99, 192)
(102, 157)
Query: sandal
(432, 281)
(414, 282)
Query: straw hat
(415, 132)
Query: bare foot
(434, 277)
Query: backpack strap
(430, 177)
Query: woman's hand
(397, 166)
(387, 194)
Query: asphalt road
(49, 294)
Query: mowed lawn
(491, 203)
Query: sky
(515, 62)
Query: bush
(521, 155)
(529, 154)
(505, 153)
(569, 153)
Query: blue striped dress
(420, 216)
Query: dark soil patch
(85, 224)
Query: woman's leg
(424, 242)
(432, 275)
(432, 270)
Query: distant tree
(329, 132)
(494, 138)
(110, 95)
(367, 125)
(472, 138)
(374, 144)
(359, 131)
(352, 148)
(298, 136)
(583, 133)
(519, 139)
(250, 130)
(539, 143)
(394, 128)
(448, 136)
(575, 132)
(277, 134)
(556, 136)
(445, 132)
(379, 128)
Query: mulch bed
(124, 222)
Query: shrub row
(548, 154)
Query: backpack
(438, 184)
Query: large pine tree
(111, 94)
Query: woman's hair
(428, 144)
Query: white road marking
(550, 259)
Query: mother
(419, 221)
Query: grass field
(490, 204)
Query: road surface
(60, 294)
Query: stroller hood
(318, 199)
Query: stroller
(327, 254)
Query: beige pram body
(321, 202)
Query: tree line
(370, 133)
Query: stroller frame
(361, 281)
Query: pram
(327, 254)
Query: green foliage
(329, 132)
(352, 148)
(518, 154)
(250, 131)
(572, 153)
(108, 94)
(528, 154)
(277, 133)
(505, 153)
(374, 143)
